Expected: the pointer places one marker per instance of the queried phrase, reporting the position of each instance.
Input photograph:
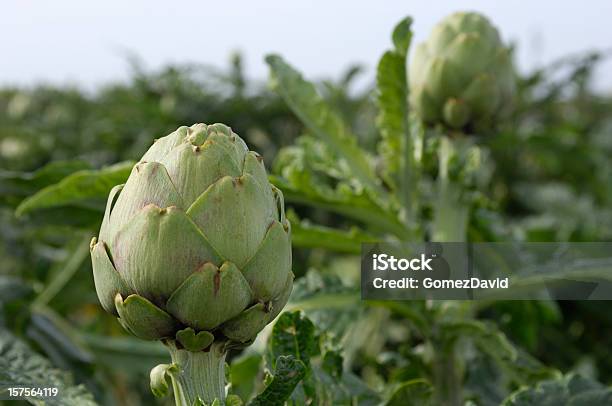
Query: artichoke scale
(210, 296)
(105, 232)
(194, 168)
(234, 215)
(148, 183)
(247, 324)
(266, 272)
(279, 302)
(162, 146)
(144, 319)
(107, 280)
(158, 249)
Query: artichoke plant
(462, 75)
(194, 250)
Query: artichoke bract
(462, 75)
(195, 248)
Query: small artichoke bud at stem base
(195, 250)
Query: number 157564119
(32, 392)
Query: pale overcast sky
(84, 42)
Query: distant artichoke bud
(462, 76)
(195, 245)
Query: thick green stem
(450, 225)
(199, 375)
(451, 212)
(447, 378)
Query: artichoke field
(193, 248)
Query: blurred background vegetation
(551, 183)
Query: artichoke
(462, 75)
(195, 248)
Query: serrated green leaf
(306, 235)
(21, 366)
(331, 305)
(402, 35)
(571, 390)
(325, 382)
(332, 364)
(321, 120)
(359, 207)
(292, 334)
(25, 183)
(288, 372)
(392, 118)
(397, 145)
(86, 187)
(310, 173)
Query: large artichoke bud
(195, 248)
(462, 75)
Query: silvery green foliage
(195, 245)
(571, 389)
(462, 74)
(20, 366)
